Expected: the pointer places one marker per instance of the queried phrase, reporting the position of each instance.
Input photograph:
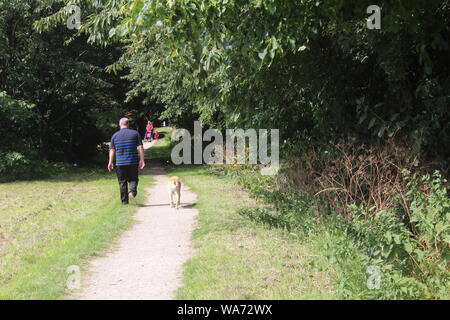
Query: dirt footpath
(146, 262)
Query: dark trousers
(125, 175)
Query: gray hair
(124, 122)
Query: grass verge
(238, 259)
(161, 149)
(49, 225)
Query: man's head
(124, 123)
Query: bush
(21, 166)
(411, 239)
(407, 240)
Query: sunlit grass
(48, 225)
(161, 149)
(238, 259)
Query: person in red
(148, 134)
(156, 135)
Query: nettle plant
(429, 210)
(410, 241)
(430, 215)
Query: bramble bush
(408, 242)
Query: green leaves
(270, 6)
(273, 46)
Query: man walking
(126, 146)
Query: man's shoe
(132, 198)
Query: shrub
(27, 166)
(406, 235)
(409, 241)
(352, 173)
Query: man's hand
(141, 157)
(112, 152)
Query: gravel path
(146, 262)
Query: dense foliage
(57, 102)
(310, 68)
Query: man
(126, 146)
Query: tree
(310, 68)
(62, 77)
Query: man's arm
(141, 157)
(112, 152)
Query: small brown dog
(174, 185)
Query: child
(156, 135)
(148, 134)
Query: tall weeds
(379, 201)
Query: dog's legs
(178, 199)
(172, 203)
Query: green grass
(49, 225)
(236, 258)
(161, 149)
